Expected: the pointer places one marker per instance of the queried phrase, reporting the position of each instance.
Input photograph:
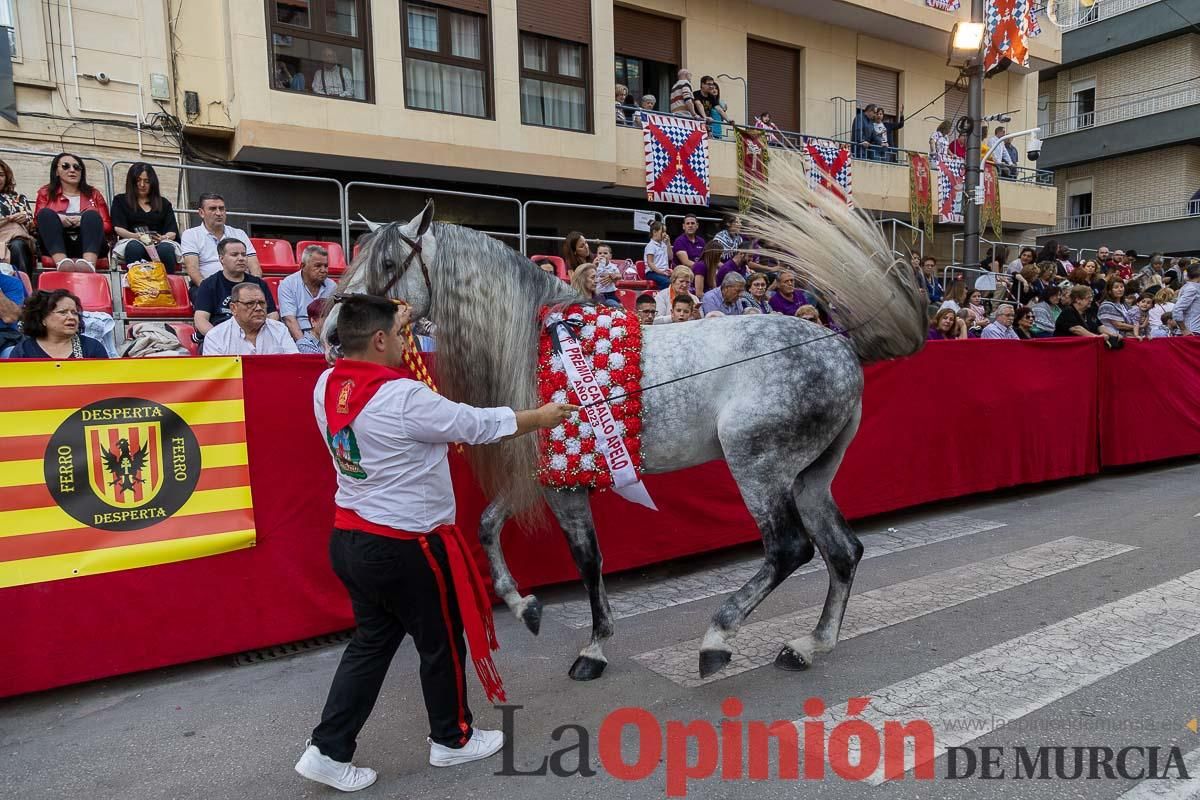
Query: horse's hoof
(792, 661)
(713, 661)
(532, 615)
(587, 668)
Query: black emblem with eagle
(125, 467)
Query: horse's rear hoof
(792, 661)
(586, 668)
(713, 661)
(532, 615)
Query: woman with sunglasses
(72, 217)
(52, 322)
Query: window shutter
(774, 77)
(570, 20)
(878, 86)
(474, 6)
(646, 36)
(955, 104)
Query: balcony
(1112, 26)
(1168, 228)
(1150, 122)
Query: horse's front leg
(527, 608)
(574, 513)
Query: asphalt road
(1064, 616)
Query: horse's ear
(426, 218)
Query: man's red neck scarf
(351, 386)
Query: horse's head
(396, 261)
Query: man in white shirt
(297, 290)
(249, 332)
(332, 79)
(1001, 328)
(199, 244)
(395, 545)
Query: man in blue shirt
(727, 298)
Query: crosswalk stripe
(1018, 677)
(757, 644)
(707, 583)
(1172, 788)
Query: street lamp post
(972, 178)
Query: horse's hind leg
(574, 513)
(765, 487)
(527, 608)
(840, 548)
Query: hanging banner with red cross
(1007, 26)
(676, 159)
(830, 165)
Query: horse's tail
(841, 253)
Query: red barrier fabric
(958, 418)
(1148, 401)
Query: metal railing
(1072, 15)
(1140, 215)
(896, 225)
(527, 237)
(100, 170)
(1014, 248)
(351, 221)
(971, 275)
(1135, 109)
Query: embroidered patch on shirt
(346, 455)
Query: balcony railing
(1176, 98)
(1071, 15)
(1140, 215)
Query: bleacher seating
(628, 298)
(182, 307)
(640, 283)
(25, 281)
(48, 263)
(560, 266)
(337, 256)
(273, 282)
(91, 288)
(183, 332)
(275, 255)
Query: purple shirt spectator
(693, 248)
(728, 267)
(789, 307)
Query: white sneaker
(318, 767)
(481, 745)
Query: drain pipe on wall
(103, 79)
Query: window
(554, 85)
(1079, 204)
(1083, 103)
(320, 47)
(774, 77)
(880, 87)
(648, 55)
(8, 19)
(446, 60)
(1043, 112)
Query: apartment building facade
(1119, 117)
(504, 99)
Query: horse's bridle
(414, 251)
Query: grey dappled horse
(782, 422)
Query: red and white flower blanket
(592, 356)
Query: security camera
(102, 78)
(1034, 149)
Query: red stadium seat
(181, 308)
(183, 332)
(337, 256)
(274, 255)
(628, 299)
(273, 281)
(640, 283)
(560, 266)
(48, 263)
(91, 289)
(25, 282)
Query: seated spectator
(730, 236)
(756, 293)
(646, 308)
(956, 296)
(657, 256)
(1169, 327)
(1045, 312)
(249, 332)
(576, 251)
(1141, 323)
(16, 222)
(809, 313)
(683, 99)
(1164, 302)
(72, 216)
(145, 221)
(1187, 304)
(1002, 326)
(763, 122)
(976, 312)
(681, 282)
(607, 275)
(1079, 318)
(1085, 275)
(286, 79)
(726, 298)
(298, 290)
(1023, 322)
(929, 279)
(1113, 311)
(214, 294)
(683, 309)
(739, 263)
(1176, 275)
(1018, 264)
(1105, 259)
(51, 322)
(331, 78)
(199, 244)
(1028, 284)
(1125, 269)
(947, 325)
(711, 258)
(584, 282)
(12, 297)
(688, 248)
(787, 298)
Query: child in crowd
(657, 256)
(682, 308)
(1169, 328)
(1141, 316)
(607, 274)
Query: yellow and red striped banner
(113, 465)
